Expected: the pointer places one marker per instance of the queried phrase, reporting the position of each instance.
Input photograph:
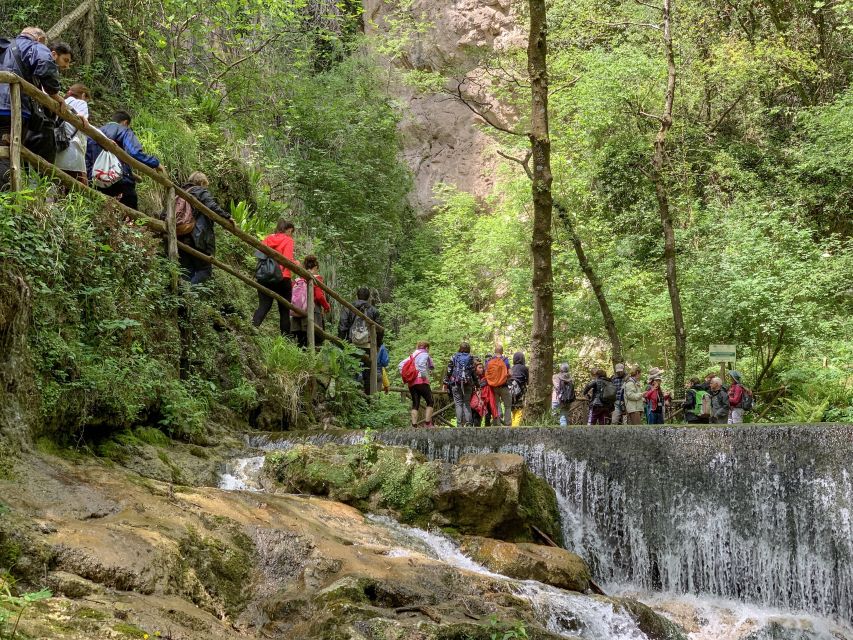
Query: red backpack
(409, 372)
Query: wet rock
(525, 561)
(494, 495)
(654, 625)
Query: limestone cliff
(443, 139)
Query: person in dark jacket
(202, 238)
(719, 402)
(29, 57)
(521, 374)
(119, 131)
(461, 380)
(362, 303)
(601, 412)
(618, 381)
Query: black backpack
(267, 272)
(566, 393)
(61, 135)
(607, 393)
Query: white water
(775, 531)
(242, 474)
(567, 614)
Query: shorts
(419, 391)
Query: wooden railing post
(374, 360)
(171, 232)
(15, 137)
(309, 310)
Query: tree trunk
(595, 283)
(662, 194)
(542, 337)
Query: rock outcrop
(443, 141)
(490, 495)
(525, 561)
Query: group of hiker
(490, 391)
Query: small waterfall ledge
(755, 513)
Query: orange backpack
(496, 372)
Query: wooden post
(374, 357)
(171, 232)
(309, 310)
(15, 137)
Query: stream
(735, 535)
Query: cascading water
(760, 514)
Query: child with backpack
(461, 380)
(299, 324)
(415, 371)
(563, 394)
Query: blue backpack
(463, 369)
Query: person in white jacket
(73, 159)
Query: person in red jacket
(281, 241)
(299, 326)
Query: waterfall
(753, 513)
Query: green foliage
(13, 607)
(501, 630)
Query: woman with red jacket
(299, 325)
(281, 241)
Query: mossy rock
(221, 566)
(654, 625)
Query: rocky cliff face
(443, 139)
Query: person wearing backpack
(519, 376)
(299, 324)
(415, 371)
(601, 393)
(281, 241)
(72, 158)
(202, 237)
(562, 394)
(497, 377)
(740, 399)
(632, 392)
(355, 330)
(483, 400)
(618, 381)
(697, 403)
(461, 380)
(122, 183)
(28, 56)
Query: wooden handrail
(158, 225)
(105, 143)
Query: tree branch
(726, 113)
(656, 7)
(252, 53)
(525, 162)
(56, 30)
(646, 25)
(482, 114)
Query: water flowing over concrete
(754, 513)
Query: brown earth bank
(127, 555)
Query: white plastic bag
(107, 169)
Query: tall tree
(662, 195)
(542, 336)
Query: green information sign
(722, 353)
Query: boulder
(494, 495)
(525, 561)
(490, 495)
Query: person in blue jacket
(119, 131)
(29, 57)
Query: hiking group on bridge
(489, 391)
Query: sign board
(722, 353)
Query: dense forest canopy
(293, 111)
